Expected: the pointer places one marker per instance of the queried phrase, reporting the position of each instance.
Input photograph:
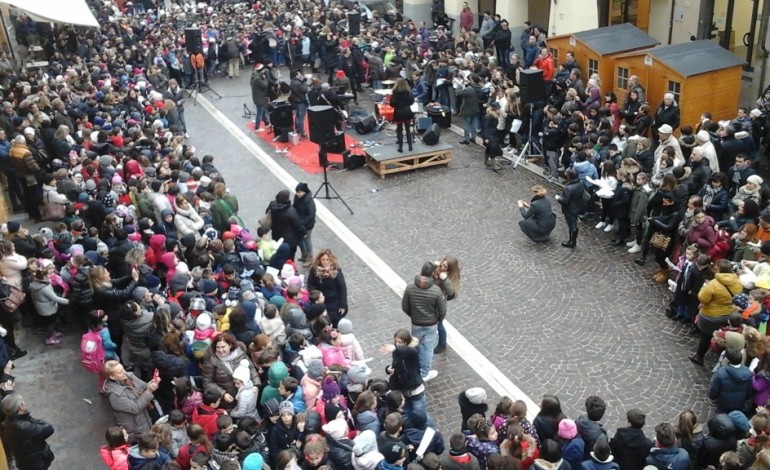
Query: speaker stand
(247, 113)
(531, 148)
(326, 185)
(199, 87)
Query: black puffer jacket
(406, 368)
(341, 452)
(82, 295)
(720, 439)
(286, 223)
(24, 436)
(305, 207)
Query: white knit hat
(242, 372)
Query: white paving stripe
(477, 361)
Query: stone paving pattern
(571, 323)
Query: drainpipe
(752, 35)
(671, 22)
(762, 42)
(725, 42)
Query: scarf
(709, 194)
(326, 272)
(230, 360)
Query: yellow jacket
(716, 296)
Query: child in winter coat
(115, 453)
(246, 398)
(273, 326)
(47, 303)
(352, 348)
(607, 185)
(332, 349)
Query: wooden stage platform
(385, 159)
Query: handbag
(231, 214)
(52, 210)
(11, 298)
(266, 221)
(660, 241)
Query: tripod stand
(326, 185)
(199, 87)
(531, 146)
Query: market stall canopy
(56, 11)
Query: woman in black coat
(285, 222)
(572, 204)
(326, 276)
(539, 219)
(305, 207)
(109, 295)
(404, 369)
(401, 100)
(493, 149)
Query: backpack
(92, 352)
(11, 297)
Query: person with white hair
(25, 436)
(709, 152)
(667, 113)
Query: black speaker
(281, 117)
(352, 162)
(193, 41)
(430, 136)
(336, 144)
(354, 23)
(366, 125)
(321, 121)
(531, 86)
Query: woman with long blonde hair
(447, 276)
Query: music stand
(323, 160)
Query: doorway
(486, 5)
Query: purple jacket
(761, 385)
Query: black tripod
(199, 87)
(323, 159)
(532, 148)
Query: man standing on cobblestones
(425, 304)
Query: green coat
(259, 88)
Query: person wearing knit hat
(337, 429)
(139, 293)
(286, 406)
(472, 402)
(365, 452)
(332, 412)
(13, 226)
(247, 395)
(254, 461)
(272, 409)
(755, 179)
(568, 430)
(358, 373)
(741, 301)
(331, 389)
(315, 369)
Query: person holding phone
(129, 398)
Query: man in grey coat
(425, 304)
(259, 86)
(129, 397)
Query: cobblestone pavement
(572, 323)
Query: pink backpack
(92, 352)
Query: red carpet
(304, 155)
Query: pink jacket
(333, 355)
(116, 459)
(311, 391)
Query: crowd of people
(218, 345)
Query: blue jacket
(572, 452)
(671, 458)
(584, 170)
(730, 388)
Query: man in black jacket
(298, 99)
(503, 44)
(305, 207)
(24, 436)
